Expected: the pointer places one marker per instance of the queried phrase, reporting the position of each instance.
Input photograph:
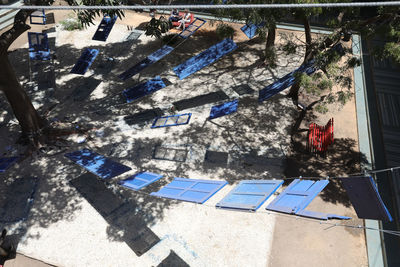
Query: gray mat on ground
(216, 157)
(143, 117)
(173, 260)
(243, 89)
(16, 199)
(117, 212)
(200, 100)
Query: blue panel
(141, 180)
(285, 81)
(5, 163)
(192, 28)
(190, 190)
(143, 89)
(172, 120)
(297, 196)
(150, 59)
(97, 164)
(160, 53)
(85, 61)
(365, 198)
(251, 29)
(205, 58)
(104, 28)
(223, 109)
(38, 46)
(38, 14)
(250, 194)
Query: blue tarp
(365, 198)
(143, 89)
(251, 29)
(5, 163)
(104, 28)
(85, 61)
(285, 82)
(223, 109)
(205, 58)
(249, 194)
(38, 46)
(97, 164)
(150, 59)
(192, 28)
(298, 195)
(190, 189)
(140, 180)
(172, 120)
(38, 14)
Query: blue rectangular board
(160, 53)
(104, 29)
(172, 120)
(191, 190)
(205, 58)
(6, 163)
(364, 196)
(143, 89)
(297, 196)
(140, 180)
(85, 61)
(150, 59)
(38, 46)
(285, 81)
(223, 109)
(249, 194)
(192, 28)
(97, 164)
(38, 14)
(251, 29)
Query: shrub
(71, 24)
(225, 31)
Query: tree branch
(19, 27)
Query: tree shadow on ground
(251, 136)
(342, 159)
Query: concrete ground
(64, 229)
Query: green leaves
(156, 27)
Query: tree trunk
(30, 121)
(294, 90)
(271, 36)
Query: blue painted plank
(364, 196)
(150, 59)
(160, 53)
(205, 58)
(143, 89)
(251, 29)
(104, 29)
(6, 163)
(249, 194)
(38, 14)
(38, 46)
(223, 109)
(173, 120)
(285, 81)
(192, 28)
(140, 180)
(191, 190)
(85, 61)
(97, 164)
(297, 196)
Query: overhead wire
(211, 6)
